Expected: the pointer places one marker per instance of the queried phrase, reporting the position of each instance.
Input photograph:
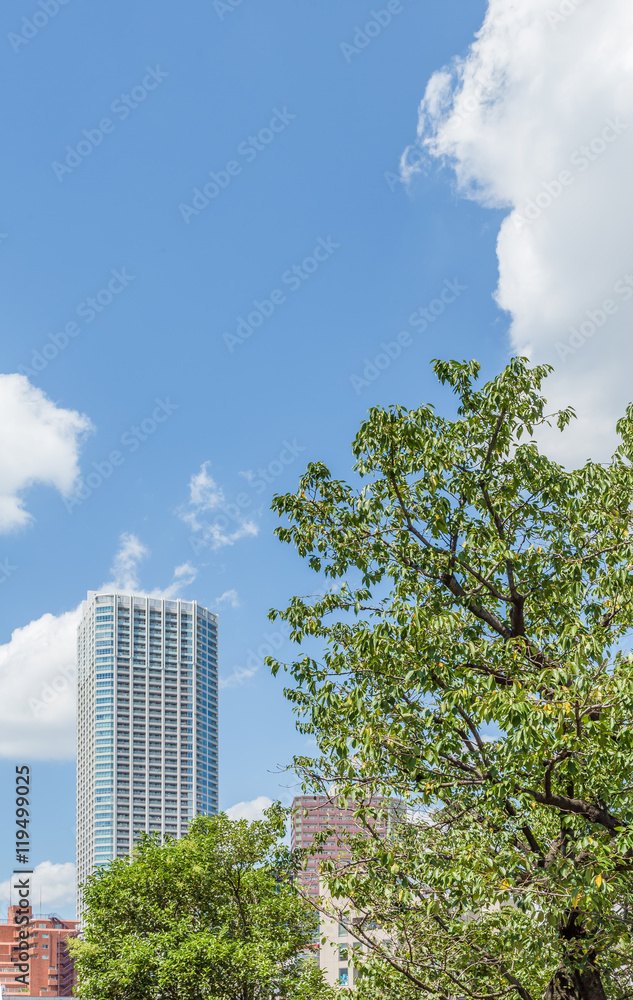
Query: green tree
(475, 666)
(212, 915)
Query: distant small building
(52, 972)
(313, 814)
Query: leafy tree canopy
(212, 915)
(476, 666)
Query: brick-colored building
(312, 814)
(51, 967)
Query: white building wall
(147, 737)
(336, 954)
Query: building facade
(147, 723)
(51, 967)
(313, 814)
(344, 933)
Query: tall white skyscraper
(147, 723)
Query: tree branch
(590, 811)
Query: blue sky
(297, 133)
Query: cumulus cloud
(56, 883)
(250, 810)
(538, 119)
(39, 443)
(37, 689)
(214, 521)
(204, 491)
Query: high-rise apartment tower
(147, 723)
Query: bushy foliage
(477, 668)
(212, 915)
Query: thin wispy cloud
(239, 677)
(229, 597)
(184, 575)
(214, 521)
(126, 562)
(125, 570)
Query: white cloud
(214, 521)
(538, 118)
(204, 491)
(57, 885)
(125, 566)
(250, 810)
(183, 576)
(228, 597)
(239, 676)
(37, 689)
(39, 443)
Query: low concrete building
(345, 937)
